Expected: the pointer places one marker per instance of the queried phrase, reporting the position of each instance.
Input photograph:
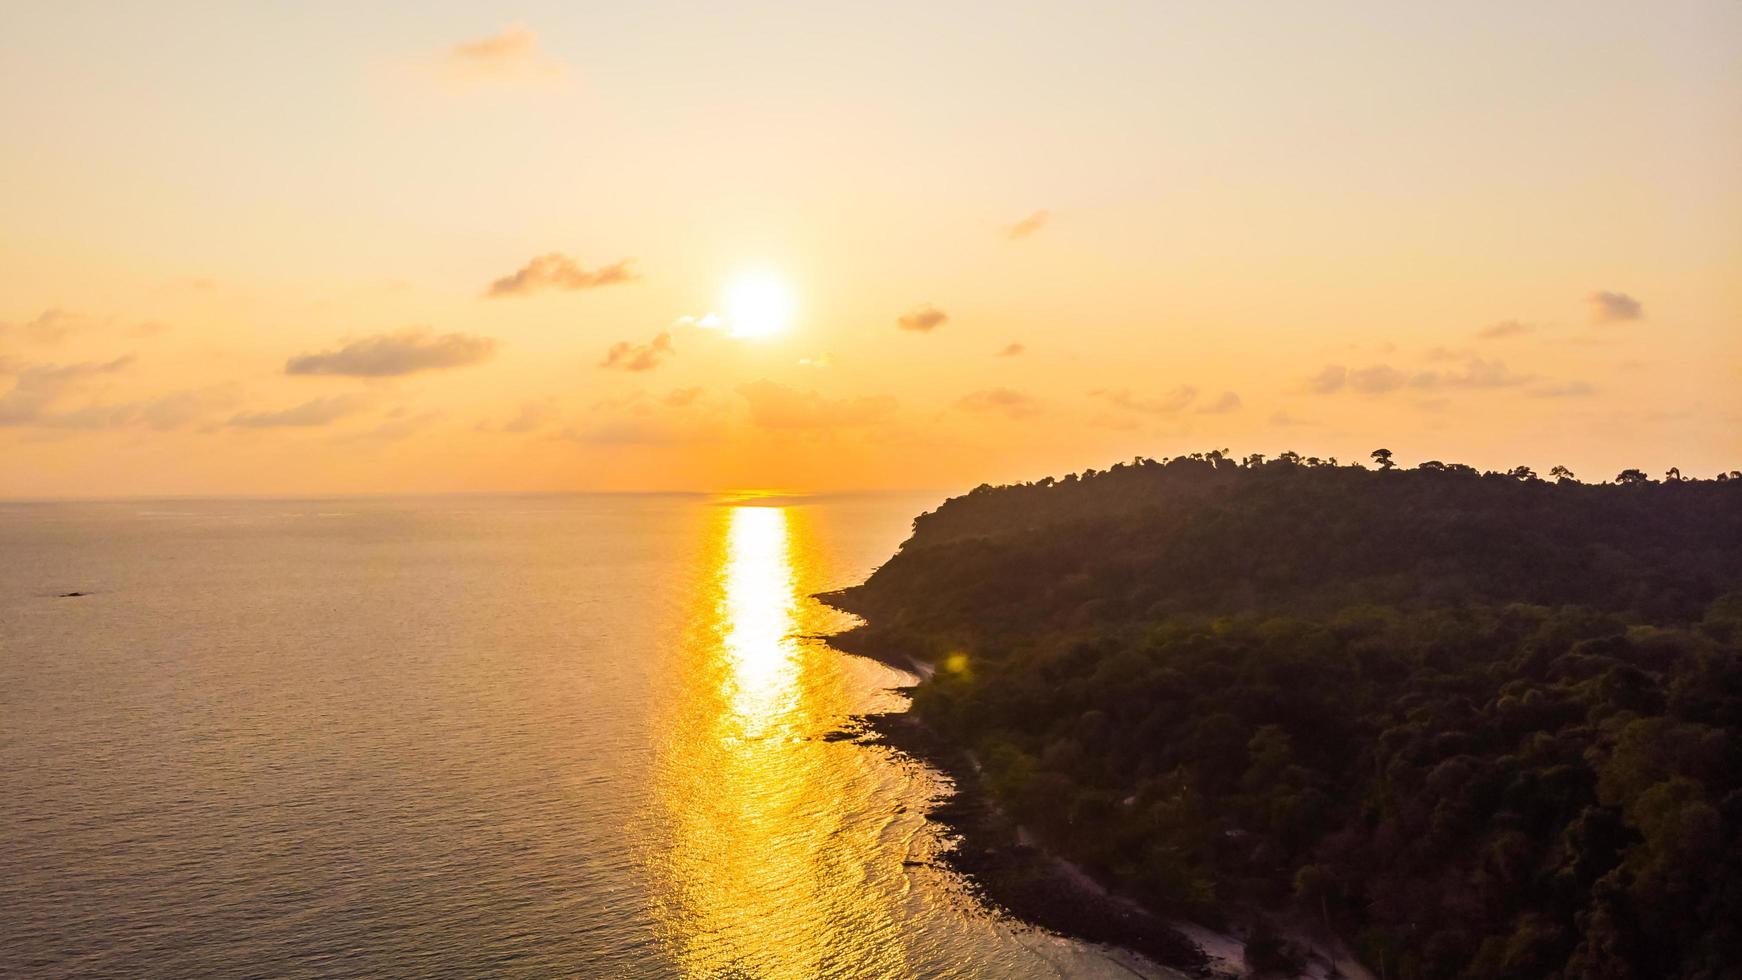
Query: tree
(1383, 457)
(1630, 477)
(1673, 475)
(1432, 466)
(1561, 473)
(1523, 473)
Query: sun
(758, 305)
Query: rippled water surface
(535, 736)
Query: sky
(324, 248)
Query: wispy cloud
(644, 430)
(533, 415)
(1565, 389)
(38, 387)
(554, 270)
(1228, 402)
(925, 319)
(1168, 403)
(390, 355)
(1011, 350)
(309, 414)
(775, 406)
(1000, 401)
(48, 327)
(639, 357)
(1612, 307)
(680, 397)
(1380, 379)
(1505, 328)
(1028, 226)
(512, 56)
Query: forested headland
(1479, 725)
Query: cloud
(48, 327)
(391, 355)
(1028, 226)
(1283, 420)
(554, 270)
(400, 424)
(1011, 350)
(1610, 307)
(639, 357)
(775, 406)
(925, 319)
(1229, 402)
(320, 411)
(1330, 380)
(533, 415)
(1477, 373)
(642, 431)
(1565, 389)
(1380, 379)
(182, 408)
(1505, 328)
(1171, 403)
(1002, 401)
(37, 387)
(512, 56)
(680, 397)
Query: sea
(462, 736)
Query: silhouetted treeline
(1483, 725)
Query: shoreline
(1010, 872)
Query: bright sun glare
(757, 306)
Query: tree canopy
(1484, 725)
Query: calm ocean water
(538, 736)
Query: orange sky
(431, 247)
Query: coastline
(1024, 881)
(1011, 872)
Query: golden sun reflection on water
(756, 617)
(772, 833)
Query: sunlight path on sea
(779, 852)
(763, 875)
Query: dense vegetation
(1483, 725)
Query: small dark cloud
(557, 271)
(1011, 350)
(320, 411)
(1228, 402)
(1612, 307)
(925, 319)
(1000, 401)
(1504, 329)
(511, 56)
(391, 355)
(775, 406)
(1028, 226)
(639, 357)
